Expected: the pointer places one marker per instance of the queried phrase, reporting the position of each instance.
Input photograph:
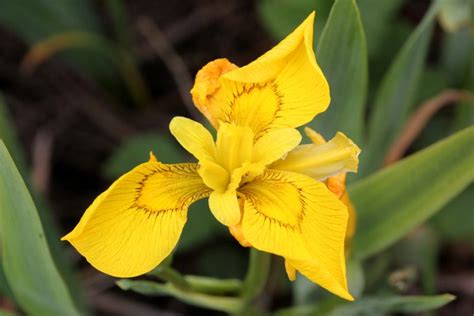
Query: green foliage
(281, 16)
(9, 138)
(220, 303)
(37, 19)
(200, 228)
(29, 267)
(378, 18)
(393, 201)
(73, 30)
(380, 305)
(136, 150)
(454, 222)
(456, 56)
(396, 94)
(342, 54)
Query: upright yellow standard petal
(320, 161)
(135, 224)
(283, 88)
(234, 146)
(296, 217)
(194, 137)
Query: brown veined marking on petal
(233, 114)
(162, 171)
(300, 214)
(294, 229)
(254, 203)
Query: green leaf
(36, 19)
(447, 222)
(378, 17)
(4, 288)
(342, 54)
(117, 11)
(6, 313)
(72, 29)
(396, 199)
(420, 249)
(282, 16)
(29, 267)
(396, 94)
(373, 305)
(136, 150)
(456, 56)
(8, 136)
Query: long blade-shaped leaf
(396, 94)
(29, 268)
(342, 54)
(398, 198)
(9, 138)
(372, 305)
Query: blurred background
(87, 89)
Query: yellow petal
(207, 91)
(275, 144)
(131, 227)
(283, 88)
(194, 137)
(340, 154)
(337, 184)
(290, 270)
(314, 136)
(225, 207)
(352, 222)
(214, 175)
(152, 157)
(238, 234)
(234, 146)
(314, 270)
(296, 217)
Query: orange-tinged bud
(207, 85)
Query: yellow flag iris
(261, 183)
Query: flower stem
(213, 286)
(220, 303)
(170, 275)
(256, 278)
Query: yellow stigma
(233, 158)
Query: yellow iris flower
(268, 190)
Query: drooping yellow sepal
(136, 223)
(317, 272)
(298, 218)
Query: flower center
(232, 163)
